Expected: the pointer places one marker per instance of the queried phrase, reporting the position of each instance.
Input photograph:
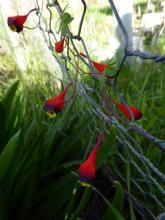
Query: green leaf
(72, 202)
(31, 190)
(3, 135)
(61, 122)
(117, 203)
(64, 30)
(69, 142)
(83, 203)
(3, 205)
(159, 112)
(7, 158)
(118, 199)
(30, 154)
(23, 185)
(14, 119)
(107, 148)
(66, 18)
(133, 217)
(109, 70)
(8, 98)
(112, 212)
(53, 197)
(5, 108)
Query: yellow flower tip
(85, 184)
(51, 114)
(13, 28)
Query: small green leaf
(66, 18)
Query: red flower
(16, 22)
(59, 46)
(87, 169)
(136, 112)
(99, 66)
(55, 105)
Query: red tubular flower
(59, 46)
(87, 169)
(136, 112)
(55, 105)
(16, 22)
(99, 66)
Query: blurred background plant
(39, 156)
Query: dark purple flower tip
(10, 21)
(48, 107)
(52, 107)
(85, 178)
(14, 26)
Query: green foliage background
(39, 157)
